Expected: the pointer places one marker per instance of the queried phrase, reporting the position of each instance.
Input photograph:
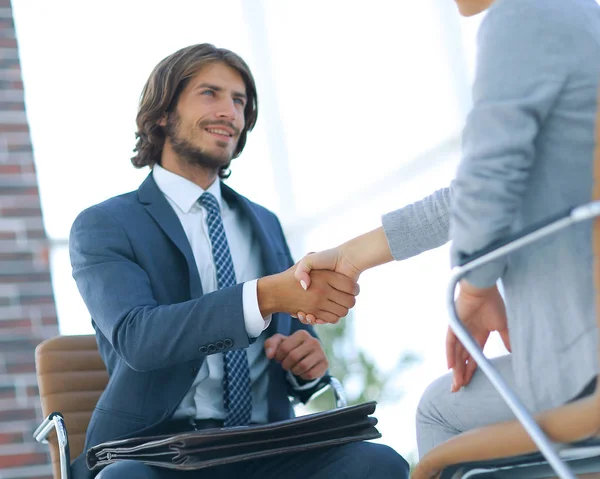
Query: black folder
(213, 447)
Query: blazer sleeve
(119, 296)
(418, 227)
(517, 85)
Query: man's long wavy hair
(161, 94)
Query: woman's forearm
(368, 250)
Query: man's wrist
(300, 384)
(268, 299)
(253, 319)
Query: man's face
(468, 8)
(205, 127)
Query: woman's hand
(481, 311)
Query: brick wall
(27, 311)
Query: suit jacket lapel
(159, 208)
(272, 264)
(268, 250)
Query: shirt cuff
(294, 382)
(255, 323)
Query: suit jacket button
(212, 348)
(228, 343)
(220, 345)
(203, 349)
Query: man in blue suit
(190, 287)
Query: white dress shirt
(204, 400)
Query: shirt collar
(182, 191)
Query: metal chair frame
(557, 455)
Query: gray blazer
(527, 154)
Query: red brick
(24, 264)
(32, 391)
(17, 255)
(17, 148)
(10, 169)
(7, 392)
(36, 234)
(20, 460)
(16, 128)
(6, 23)
(11, 437)
(9, 196)
(7, 325)
(19, 362)
(20, 368)
(8, 32)
(14, 84)
(8, 43)
(26, 278)
(18, 212)
(7, 63)
(19, 343)
(49, 320)
(34, 300)
(43, 255)
(13, 105)
(16, 415)
(18, 190)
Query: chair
(71, 377)
(567, 437)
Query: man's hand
(329, 298)
(350, 259)
(332, 259)
(300, 353)
(481, 311)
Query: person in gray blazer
(527, 154)
(190, 288)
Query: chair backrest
(71, 377)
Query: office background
(361, 108)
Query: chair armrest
(494, 251)
(338, 392)
(327, 382)
(531, 234)
(56, 421)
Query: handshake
(321, 288)
(328, 280)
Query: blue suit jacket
(136, 272)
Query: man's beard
(190, 153)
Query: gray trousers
(442, 414)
